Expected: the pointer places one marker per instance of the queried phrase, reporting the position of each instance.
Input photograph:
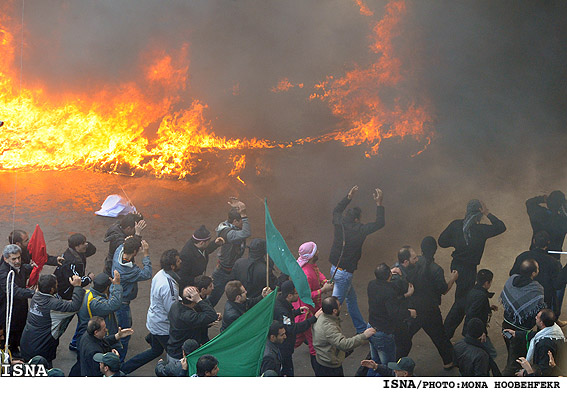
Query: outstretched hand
(378, 195)
(352, 191)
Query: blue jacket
(130, 274)
(101, 305)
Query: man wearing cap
(285, 313)
(234, 231)
(109, 364)
(471, 356)
(164, 292)
(346, 251)
(195, 255)
(402, 368)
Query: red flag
(38, 254)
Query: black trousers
(429, 319)
(465, 282)
(323, 371)
(402, 338)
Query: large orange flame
(107, 130)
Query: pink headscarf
(306, 252)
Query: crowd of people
(402, 299)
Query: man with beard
(238, 303)
(132, 224)
(468, 238)
(12, 261)
(272, 359)
(21, 238)
(251, 271)
(195, 256)
(346, 251)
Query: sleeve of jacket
(476, 308)
(303, 325)
(536, 212)
(199, 319)
(339, 209)
(268, 363)
(145, 273)
(372, 227)
(72, 305)
(481, 366)
(171, 369)
(337, 339)
(495, 229)
(446, 237)
(52, 260)
(102, 307)
(213, 246)
(236, 235)
(167, 297)
(384, 371)
(19, 293)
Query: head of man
(382, 272)
(331, 306)
(308, 253)
(545, 318)
(235, 291)
(529, 268)
(403, 367)
(289, 292)
(235, 218)
(276, 333)
(170, 260)
(128, 223)
(189, 346)
(97, 327)
(353, 214)
(555, 201)
(429, 247)
(207, 366)
(47, 284)
(201, 238)
(407, 256)
(13, 256)
(484, 278)
(101, 283)
(132, 245)
(475, 328)
(109, 363)
(186, 296)
(541, 240)
(20, 238)
(474, 207)
(204, 285)
(77, 242)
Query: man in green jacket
(329, 341)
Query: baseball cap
(404, 364)
(110, 359)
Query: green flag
(240, 348)
(284, 259)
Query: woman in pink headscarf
(308, 256)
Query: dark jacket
(471, 254)
(21, 295)
(235, 242)
(48, 318)
(272, 359)
(193, 262)
(285, 313)
(89, 345)
(251, 271)
(170, 369)
(477, 306)
(543, 219)
(233, 310)
(472, 360)
(540, 361)
(551, 275)
(354, 235)
(384, 307)
(75, 265)
(429, 284)
(186, 322)
(98, 304)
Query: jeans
(158, 345)
(220, 278)
(382, 350)
(345, 290)
(124, 317)
(76, 335)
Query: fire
(108, 130)
(357, 97)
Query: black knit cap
(101, 282)
(202, 234)
(475, 328)
(287, 288)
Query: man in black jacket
(472, 358)
(238, 303)
(385, 311)
(478, 306)
(132, 224)
(285, 313)
(195, 256)
(251, 271)
(49, 317)
(346, 251)
(468, 238)
(189, 318)
(96, 340)
(272, 359)
(429, 285)
(12, 261)
(552, 276)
